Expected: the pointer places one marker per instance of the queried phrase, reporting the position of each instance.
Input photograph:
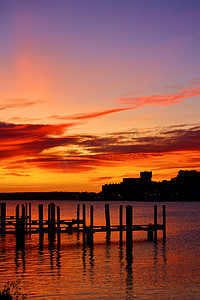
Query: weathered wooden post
(164, 223)
(3, 217)
(107, 215)
(26, 216)
(23, 217)
(84, 224)
(52, 217)
(78, 216)
(90, 229)
(30, 217)
(121, 223)
(17, 219)
(20, 227)
(40, 210)
(58, 219)
(150, 232)
(49, 217)
(155, 222)
(129, 223)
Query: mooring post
(17, 219)
(91, 216)
(26, 216)
(3, 217)
(49, 217)
(23, 217)
(78, 216)
(52, 217)
(84, 224)
(121, 223)
(20, 227)
(164, 222)
(150, 232)
(129, 223)
(40, 211)
(155, 222)
(90, 229)
(30, 217)
(58, 219)
(107, 215)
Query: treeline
(81, 196)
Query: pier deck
(22, 223)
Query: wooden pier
(22, 223)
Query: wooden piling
(49, 216)
(91, 216)
(121, 222)
(150, 233)
(26, 216)
(17, 218)
(29, 216)
(107, 216)
(78, 216)
(129, 223)
(3, 217)
(52, 205)
(84, 224)
(90, 229)
(164, 223)
(23, 217)
(58, 219)
(40, 211)
(155, 222)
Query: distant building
(129, 188)
(146, 176)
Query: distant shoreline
(77, 196)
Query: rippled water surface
(66, 269)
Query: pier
(22, 223)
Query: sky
(94, 91)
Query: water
(148, 270)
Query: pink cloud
(163, 100)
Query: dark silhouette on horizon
(184, 187)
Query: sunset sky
(92, 91)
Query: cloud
(163, 100)
(17, 174)
(24, 146)
(18, 103)
(104, 178)
(29, 140)
(89, 115)
(136, 102)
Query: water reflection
(129, 268)
(20, 260)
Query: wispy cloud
(89, 115)
(18, 103)
(17, 174)
(130, 103)
(166, 99)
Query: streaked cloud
(163, 100)
(89, 115)
(18, 103)
(50, 147)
